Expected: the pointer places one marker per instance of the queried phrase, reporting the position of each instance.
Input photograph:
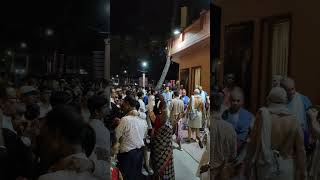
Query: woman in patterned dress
(161, 144)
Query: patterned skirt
(162, 153)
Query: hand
(313, 113)
(115, 148)
(204, 168)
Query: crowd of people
(68, 129)
(280, 141)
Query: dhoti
(285, 170)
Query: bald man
(242, 122)
(240, 118)
(298, 104)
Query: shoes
(144, 172)
(150, 171)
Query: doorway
(238, 55)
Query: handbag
(192, 114)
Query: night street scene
(159, 90)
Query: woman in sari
(161, 143)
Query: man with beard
(130, 134)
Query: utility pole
(107, 53)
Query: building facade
(191, 50)
(266, 38)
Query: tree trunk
(164, 73)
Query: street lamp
(125, 71)
(23, 45)
(144, 66)
(49, 32)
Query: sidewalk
(192, 148)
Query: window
(196, 77)
(280, 48)
(184, 79)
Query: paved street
(186, 162)
(185, 166)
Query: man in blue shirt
(185, 98)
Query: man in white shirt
(130, 134)
(96, 105)
(140, 100)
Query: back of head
(217, 100)
(140, 94)
(96, 103)
(60, 98)
(176, 94)
(130, 100)
(277, 95)
(66, 121)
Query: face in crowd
(236, 99)
(289, 86)
(184, 92)
(229, 79)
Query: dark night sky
(75, 23)
(27, 21)
(73, 20)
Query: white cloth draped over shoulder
(270, 165)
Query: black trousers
(130, 164)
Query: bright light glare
(23, 45)
(176, 32)
(49, 32)
(144, 64)
(9, 53)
